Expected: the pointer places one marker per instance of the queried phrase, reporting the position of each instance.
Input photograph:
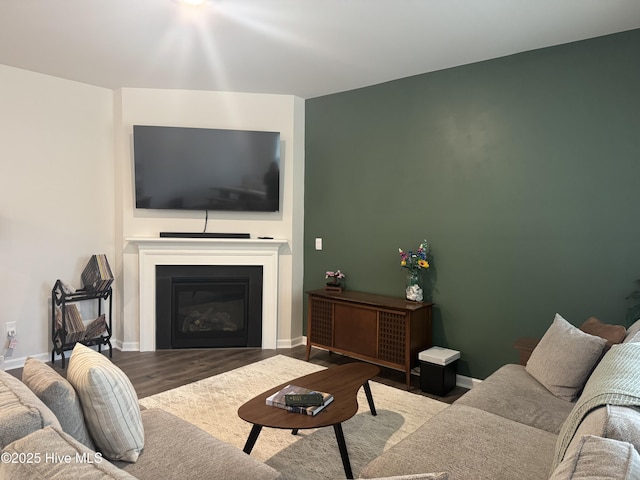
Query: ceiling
(306, 48)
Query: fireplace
(208, 306)
(158, 251)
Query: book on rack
(97, 275)
(73, 322)
(66, 288)
(96, 327)
(278, 400)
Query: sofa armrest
(51, 453)
(21, 412)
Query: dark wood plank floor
(155, 372)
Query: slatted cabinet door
(321, 329)
(392, 337)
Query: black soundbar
(203, 235)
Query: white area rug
(212, 405)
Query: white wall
(281, 113)
(67, 193)
(56, 196)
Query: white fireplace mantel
(155, 251)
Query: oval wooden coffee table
(343, 382)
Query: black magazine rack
(61, 336)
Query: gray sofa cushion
(564, 358)
(71, 460)
(610, 421)
(21, 412)
(512, 393)
(57, 394)
(599, 458)
(177, 449)
(501, 450)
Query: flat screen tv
(182, 168)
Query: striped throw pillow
(109, 403)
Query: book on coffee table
(278, 400)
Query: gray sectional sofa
(54, 428)
(38, 443)
(570, 413)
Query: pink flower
(336, 274)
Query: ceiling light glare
(193, 3)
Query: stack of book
(300, 400)
(95, 328)
(73, 322)
(76, 329)
(97, 275)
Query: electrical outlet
(11, 329)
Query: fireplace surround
(155, 251)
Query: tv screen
(182, 168)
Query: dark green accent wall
(523, 172)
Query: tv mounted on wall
(181, 168)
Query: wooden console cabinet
(388, 331)
(525, 347)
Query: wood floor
(155, 372)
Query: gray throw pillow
(564, 358)
(601, 458)
(57, 394)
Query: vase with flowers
(335, 280)
(415, 262)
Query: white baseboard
(127, 346)
(467, 382)
(294, 342)
(18, 362)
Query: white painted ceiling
(306, 48)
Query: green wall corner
(522, 173)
